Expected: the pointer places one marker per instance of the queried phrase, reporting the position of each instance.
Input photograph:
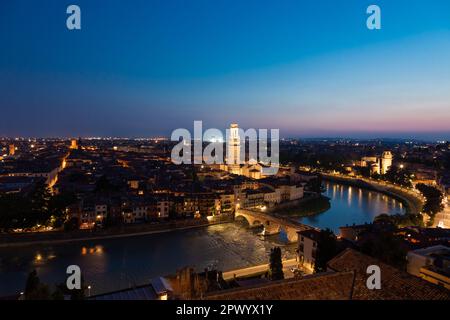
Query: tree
(384, 218)
(58, 204)
(71, 224)
(315, 185)
(386, 247)
(75, 294)
(14, 209)
(276, 264)
(34, 289)
(40, 198)
(433, 196)
(398, 176)
(104, 186)
(376, 176)
(58, 294)
(39, 206)
(326, 249)
(78, 294)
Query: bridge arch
(243, 219)
(272, 224)
(291, 234)
(257, 223)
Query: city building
(395, 283)
(12, 150)
(377, 165)
(345, 279)
(235, 162)
(202, 204)
(73, 144)
(253, 198)
(158, 289)
(307, 248)
(227, 202)
(234, 151)
(386, 161)
(11, 184)
(431, 264)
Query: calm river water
(120, 263)
(352, 205)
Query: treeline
(37, 290)
(433, 205)
(433, 200)
(39, 207)
(396, 175)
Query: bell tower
(386, 161)
(234, 149)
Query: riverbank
(310, 207)
(59, 237)
(413, 202)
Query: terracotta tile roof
(327, 286)
(395, 284)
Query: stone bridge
(272, 223)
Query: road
(245, 272)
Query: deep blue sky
(146, 67)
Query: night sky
(142, 68)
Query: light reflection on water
(119, 263)
(352, 205)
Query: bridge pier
(271, 228)
(292, 235)
(272, 224)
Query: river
(352, 205)
(113, 264)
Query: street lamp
(89, 291)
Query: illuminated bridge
(272, 223)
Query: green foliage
(38, 207)
(276, 264)
(71, 224)
(376, 176)
(433, 196)
(401, 220)
(326, 249)
(315, 185)
(398, 176)
(386, 247)
(58, 294)
(34, 289)
(328, 159)
(308, 208)
(104, 186)
(78, 294)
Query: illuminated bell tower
(386, 161)
(12, 149)
(234, 149)
(74, 144)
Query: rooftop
(329, 286)
(145, 292)
(395, 284)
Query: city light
(201, 152)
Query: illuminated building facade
(386, 161)
(74, 144)
(12, 149)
